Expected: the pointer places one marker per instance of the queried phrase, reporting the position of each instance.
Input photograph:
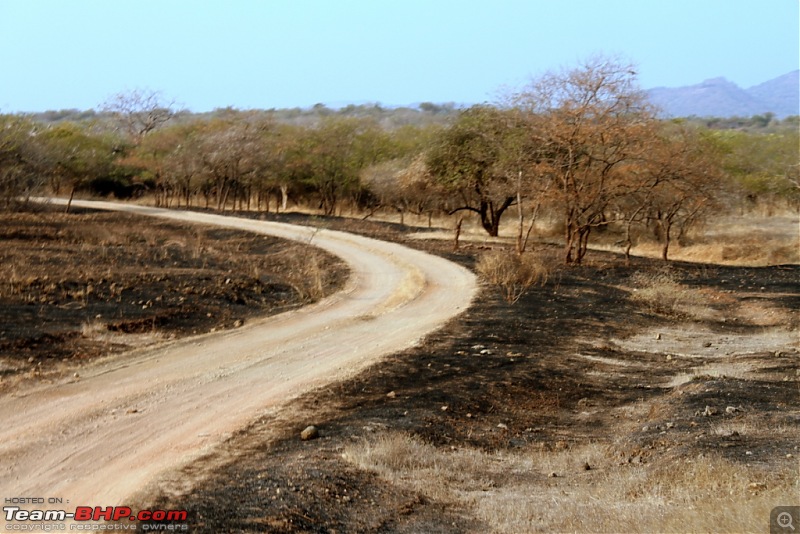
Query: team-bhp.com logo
(18, 519)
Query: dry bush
(661, 293)
(514, 274)
(306, 273)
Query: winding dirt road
(98, 439)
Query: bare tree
(139, 111)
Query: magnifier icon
(785, 520)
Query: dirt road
(99, 438)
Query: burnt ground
(550, 373)
(575, 362)
(78, 286)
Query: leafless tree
(140, 111)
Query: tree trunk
(457, 233)
(284, 197)
(69, 202)
(665, 248)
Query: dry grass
(552, 491)
(306, 272)
(661, 293)
(512, 273)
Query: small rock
(76, 375)
(707, 344)
(645, 428)
(669, 357)
(469, 416)
(391, 394)
(502, 426)
(789, 456)
(670, 425)
(444, 408)
(748, 453)
(731, 409)
(309, 433)
(478, 347)
(237, 323)
(486, 352)
(710, 411)
(586, 466)
(658, 336)
(553, 475)
(757, 486)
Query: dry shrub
(514, 274)
(661, 293)
(306, 273)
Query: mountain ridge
(719, 97)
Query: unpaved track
(98, 439)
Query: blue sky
(60, 54)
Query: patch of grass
(662, 294)
(553, 491)
(513, 274)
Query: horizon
(284, 55)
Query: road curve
(98, 439)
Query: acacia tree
(588, 122)
(330, 157)
(685, 182)
(72, 155)
(466, 160)
(18, 154)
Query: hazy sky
(59, 54)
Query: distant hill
(719, 97)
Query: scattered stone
(469, 416)
(76, 375)
(731, 409)
(707, 344)
(789, 456)
(237, 323)
(486, 352)
(391, 394)
(645, 428)
(502, 426)
(132, 410)
(478, 347)
(309, 433)
(586, 466)
(757, 486)
(444, 408)
(669, 357)
(670, 425)
(710, 411)
(658, 336)
(748, 453)
(553, 475)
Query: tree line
(580, 146)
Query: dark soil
(74, 287)
(503, 377)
